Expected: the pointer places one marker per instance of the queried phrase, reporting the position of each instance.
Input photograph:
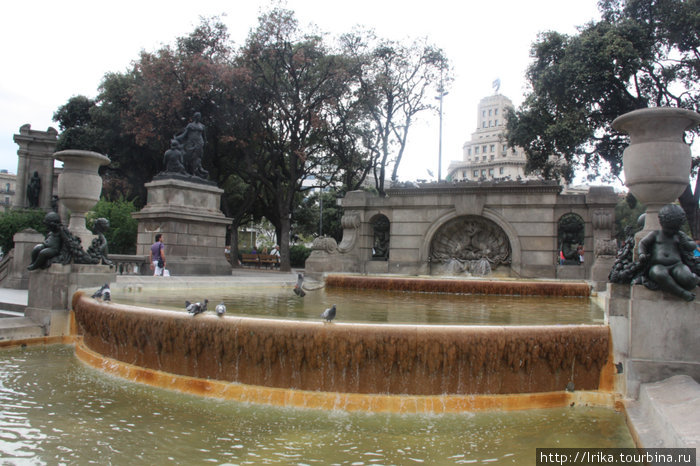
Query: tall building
(487, 156)
(8, 182)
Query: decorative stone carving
(466, 244)
(325, 244)
(605, 247)
(602, 219)
(351, 225)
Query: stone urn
(656, 163)
(79, 188)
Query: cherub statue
(98, 249)
(667, 256)
(51, 247)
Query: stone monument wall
(526, 213)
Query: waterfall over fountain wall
(348, 358)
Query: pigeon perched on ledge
(103, 293)
(329, 314)
(220, 309)
(196, 308)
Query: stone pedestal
(25, 240)
(193, 226)
(654, 335)
(51, 291)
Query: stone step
(665, 414)
(19, 328)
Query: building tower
(487, 156)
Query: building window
(491, 172)
(495, 122)
(484, 158)
(483, 113)
(483, 172)
(7, 187)
(476, 150)
(483, 149)
(469, 151)
(476, 173)
(7, 200)
(500, 171)
(493, 147)
(483, 124)
(495, 112)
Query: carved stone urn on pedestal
(656, 163)
(79, 188)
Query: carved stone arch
(570, 234)
(511, 233)
(471, 243)
(380, 228)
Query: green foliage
(627, 212)
(634, 57)
(121, 236)
(14, 221)
(298, 255)
(307, 215)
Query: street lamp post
(441, 94)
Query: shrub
(298, 255)
(17, 220)
(121, 237)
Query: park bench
(269, 260)
(250, 259)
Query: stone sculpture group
(61, 246)
(184, 158)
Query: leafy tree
(121, 236)
(627, 212)
(308, 215)
(296, 81)
(395, 84)
(642, 53)
(14, 221)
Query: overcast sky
(53, 50)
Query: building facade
(8, 184)
(487, 156)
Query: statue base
(194, 229)
(51, 293)
(654, 336)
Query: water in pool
(55, 410)
(378, 306)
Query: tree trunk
(689, 203)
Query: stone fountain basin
(344, 358)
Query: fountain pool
(378, 306)
(56, 410)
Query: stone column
(35, 154)
(25, 241)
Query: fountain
(356, 366)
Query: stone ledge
(665, 416)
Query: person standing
(157, 256)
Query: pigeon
(220, 309)
(196, 308)
(103, 293)
(329, 314)
(297, 288)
